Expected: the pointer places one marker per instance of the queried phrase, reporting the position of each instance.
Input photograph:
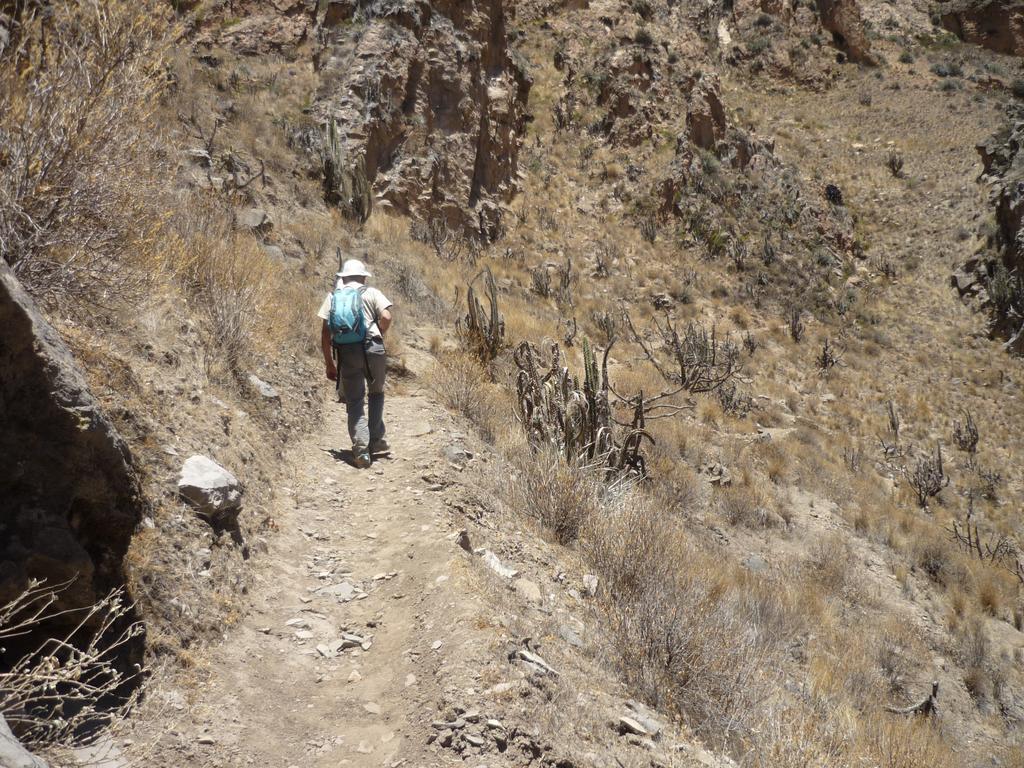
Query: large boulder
(69, 496)
(994, 24)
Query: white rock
(264, 390)
(211, 488)
(629, 725)
(491, 561)
(344, 591)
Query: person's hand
(332, 372)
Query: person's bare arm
(327, 347)
(384, 321)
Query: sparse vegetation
(927, 477)
(75, 683)
(894, 162)
(762, 569)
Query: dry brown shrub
(747, 504)
(832, 566)
(686, 640)
(561, 497)
(77, 175)
(934, 555)
(461, 383)
(896, 742)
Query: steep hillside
(730, 473)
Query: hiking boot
(362, 460)
(380, 446)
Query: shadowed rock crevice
(69, 497)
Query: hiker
(356, 318)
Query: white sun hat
(353, 268)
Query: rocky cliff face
(997, 282)
(995, 24)
(69, 498)
(428, 104)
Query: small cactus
(345, 184)
(484, 329)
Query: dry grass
(461, 383)
(684, 636)
(78, 170)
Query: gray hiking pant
(359, 370)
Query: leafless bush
(460, 382)
(77, 175)
(965, 434)
(891, 442)
(734, 402)
(522, 215)
(66, 686)
(928, 477)
(239, 175)
(694, 360)
(540, 280)
(562, 497)
(994, 548)
(989, 482)
(894, 162)
(828, 358)
(885, 266)
(449, 244)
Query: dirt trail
(271, 698)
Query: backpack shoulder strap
(373, 310)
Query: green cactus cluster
(483, 329)
(576, 421)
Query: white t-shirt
(374, 303)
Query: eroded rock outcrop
(705, 115)
(429, 105)
(998, 280)
(69, 497)
(844, 20)
(257, 27)
(997, 24)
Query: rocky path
(335, 663)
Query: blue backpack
(346, 320)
